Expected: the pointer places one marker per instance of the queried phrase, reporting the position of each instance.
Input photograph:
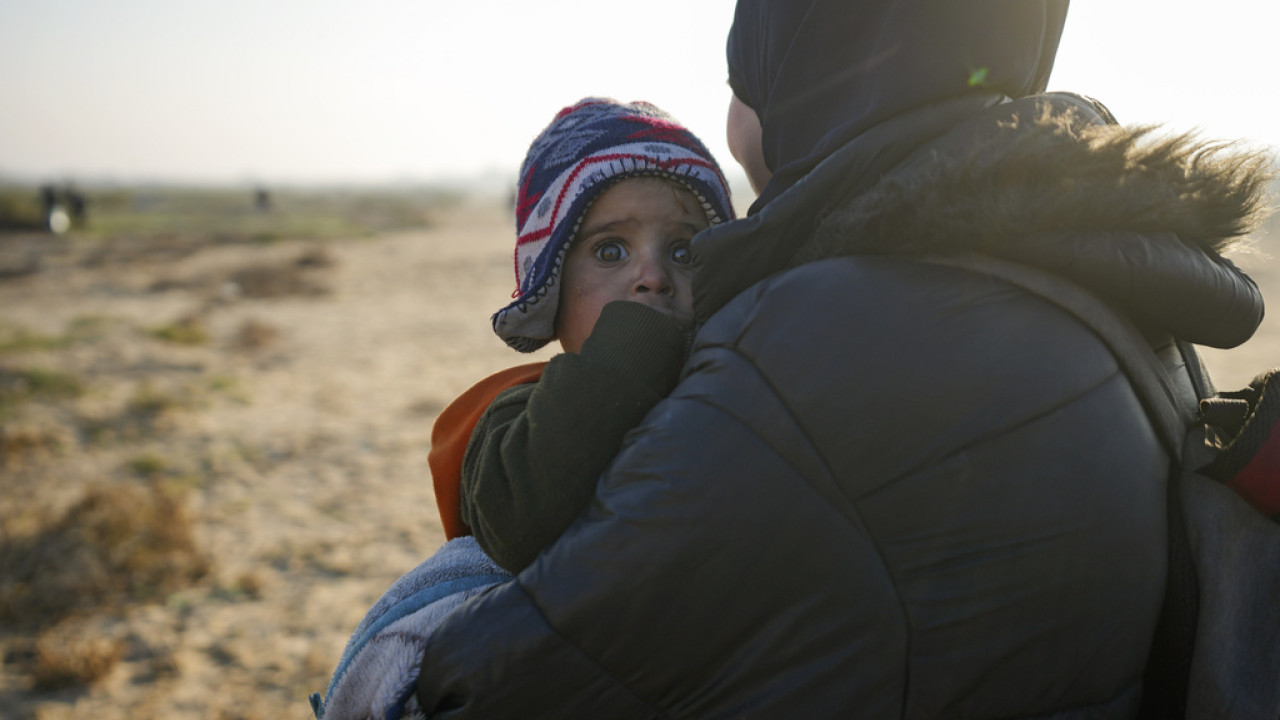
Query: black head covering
(819, 73)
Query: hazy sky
(381, 90)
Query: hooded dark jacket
(885, 487)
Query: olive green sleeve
(533, 459)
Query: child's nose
(653, 276)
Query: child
(610, 197)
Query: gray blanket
(378, 671)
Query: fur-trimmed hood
(1052, 182)
(1051, 173)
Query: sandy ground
(307, 467)
(301, 456)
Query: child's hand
(636, 314)
(683, 320)
(636, 334)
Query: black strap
(1169, 664)
(1148, 376)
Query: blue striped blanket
(378, 670)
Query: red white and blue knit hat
(587, 148)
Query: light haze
(324, 91)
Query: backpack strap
(1249, 421)
(1148, 376)
(1167, 677)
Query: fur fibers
(1052, 175)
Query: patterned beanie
(587, 148)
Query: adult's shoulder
(944, 355)
(876, 306)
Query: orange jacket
(453, 430)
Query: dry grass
(300, 276)
(317, 257)
(22, 446)
(230, 214)
(15, 338)
(162, 407)
(151, 410)
(273, 280)
(293, 444)
(119, 543)
(63, 660)
(22, 384)
(187, 330)
(255, 334)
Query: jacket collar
(1138, 222)
(731, 257)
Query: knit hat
(587, 148)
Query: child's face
(632, 245)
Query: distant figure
(62, 209)
(48, 199)
(54, 215)
(262, 200)
(77, 206)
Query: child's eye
(610, 251)
(682, 254)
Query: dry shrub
(318, 257)
(19, 385)
(149, 465)
(250, 584)
(14, 337)
(119, 543)
(150, 410)
(255, 334)
(22, 445)
(63, 660)
(276, 280)
(158, 664)
(189, 330)
(169, 284)
(150, 401)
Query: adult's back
(885, 487)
